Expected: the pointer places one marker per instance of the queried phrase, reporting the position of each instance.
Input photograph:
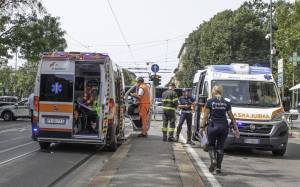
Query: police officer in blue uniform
(186, 101)
(215, 121)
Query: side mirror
(202, 100)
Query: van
(255, 101)
(79, 98)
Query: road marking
(14, 130)
(14, 158)
(17, 138)
(210, 177)
(12, 148)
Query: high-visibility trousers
(169, 117)
(144, 115)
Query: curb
(295, 134)
(105, 175)
(187, 171)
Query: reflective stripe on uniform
(168, 108)
(168, 129)
(169, 100)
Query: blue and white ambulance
(256, 105)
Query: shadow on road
(292, 153)
(72, 148)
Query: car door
(22, 109)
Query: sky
(154, 29)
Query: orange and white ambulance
(79, 98)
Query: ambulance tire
(113, 140)
(279, 152)
(44, 145)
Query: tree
(287, 38)
(25, 26)
(129, 77)
(230, 36)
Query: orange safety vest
(145, 98)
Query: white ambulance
(79, 98)
(255, 101)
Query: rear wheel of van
(113, 139)
(7, 116)
(44, 145)
(279, 152)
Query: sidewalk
(296, 129)
(148, 162)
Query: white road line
(210, 177)
(12, 148)
(17, 138)
(14, 158)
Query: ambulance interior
(133, 110)
(86, 96)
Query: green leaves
(25, 26)
(129, 77)
(230, 36)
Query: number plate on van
(252, 141)
(55, 121)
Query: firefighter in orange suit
(143, 96)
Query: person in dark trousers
(215, 121)
(185, 103)
(170, 102)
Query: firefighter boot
(213, 161)
(171, 137)
(165, 137)
(189, 138)
(220, 156)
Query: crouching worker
(217, 127)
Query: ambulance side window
(202, 77)
(205, 89)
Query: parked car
(8, 100)
(14, 111)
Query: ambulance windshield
(253, 93)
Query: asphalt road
(22, 163)
(253, 168)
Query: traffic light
(158, 79)
(151, 78)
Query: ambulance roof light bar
(74, 55)
(241, 69)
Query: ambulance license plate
(251, 141)
(60, 121)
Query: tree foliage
(129, 77)
(230, 36)
(239, 36)
(26, 28)
(287, 38)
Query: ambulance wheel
(279, 152)
(44, 145)
(113, 139)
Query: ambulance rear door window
(57, 88)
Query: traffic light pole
(154, 96)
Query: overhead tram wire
(121, 31)
(80, 43)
